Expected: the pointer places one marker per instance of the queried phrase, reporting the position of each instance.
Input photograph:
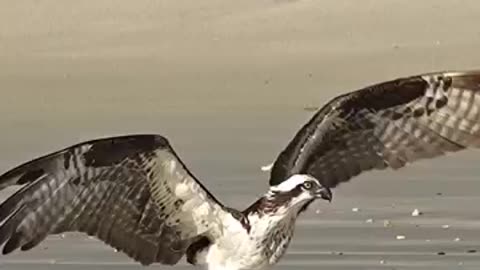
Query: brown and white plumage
(134, 193)
(131, 192)
(387, 125)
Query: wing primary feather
(13, 243)
(10, 225)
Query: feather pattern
(387, 125)
(132, 192)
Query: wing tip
(13, 243)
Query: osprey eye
(307, 185)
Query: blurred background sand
(227, 82)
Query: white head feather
(292, 182)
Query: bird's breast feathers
(260, 247)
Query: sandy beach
(227, 82)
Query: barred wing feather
(387, 125)
(132, 192)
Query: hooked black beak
(324, 193)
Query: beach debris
(383, 262)
(267, 168)
(401, 237)
(370, 220)
(458, 239)
(446, 226)
(387, 223)
(472, 251)
(416, 213)
(62, 236)
(115, 250)
(441, 253)
(318, 211)
(428, 240)
(355, 209)
(439, 193)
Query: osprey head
(299, 190)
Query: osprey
(135, 194)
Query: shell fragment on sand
(416, 213)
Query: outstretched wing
(385, 125)
(132, 192)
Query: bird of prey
(134, 193)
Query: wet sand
(227, 82)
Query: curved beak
(324, 193)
